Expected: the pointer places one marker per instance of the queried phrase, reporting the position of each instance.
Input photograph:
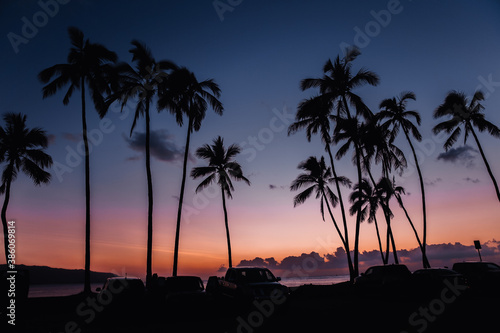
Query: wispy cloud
(472, 180)
(276, 187)
(464, 155)
(73, 137)
(432, 182)
(162, 146)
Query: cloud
(315, 264)
(161, 143)
(73, 137)
(51, 139)
(275, 187)
(432, 182)
(475, 180)
(464, 155)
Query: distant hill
(47, 275)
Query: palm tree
(141, 84)
(338, 81)
(221, 168)
(184, 94)
(22, 150)
(394, 109)
(314, 115)
(385, 190)
(90, 64)
(316, 179)
(369, 202)
(336, 86)
(352, 131)
(460, 110)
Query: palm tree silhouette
(386, 190)
(336, 86)
(460, 110)
(394, 110)
(369, 202)
(184, 94)
(314, 115)
(141, 84)
(221, 168)
(88, 64)
(316, 179)
(22, 150)
(338, 81)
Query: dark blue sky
(258, 54)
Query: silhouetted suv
(387, 275)
(247, 283)
(479, 274)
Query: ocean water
(54, 290)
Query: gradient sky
(257, 52)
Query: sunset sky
(258, 52)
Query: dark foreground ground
(335, 308)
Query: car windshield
(258, 275)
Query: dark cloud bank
(314, 264)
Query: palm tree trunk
(86, 284)
(485, 162)
(423, 245)
(358, 215)
(333, 220)
(379, 241)
(181, 198)
(344, 219)
(4, 220)
(149, 255)
(390, 237)
(425, 260)
(227, 229)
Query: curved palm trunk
(485, 162)
(181, 199)
(358, 215)
(227, 229)
(344, 219)
(149, 256)
(379, 241)
(425, 262)
(4, 220)
(334, 221)
(86, 284)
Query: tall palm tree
(386, 191)
(22, 150)
(336, 85)
(221, 168)
(141, 84)
(469, 113)
(398, 117)
(352, 131)
(316, 179)
(87, 64)
(369, 202)
(185, 95)
(314, 114)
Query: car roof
(124, 278)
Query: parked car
(121, 292)
(247, 283)
(386, 275)
(184, 288)
(479, 274)
(430, 279)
